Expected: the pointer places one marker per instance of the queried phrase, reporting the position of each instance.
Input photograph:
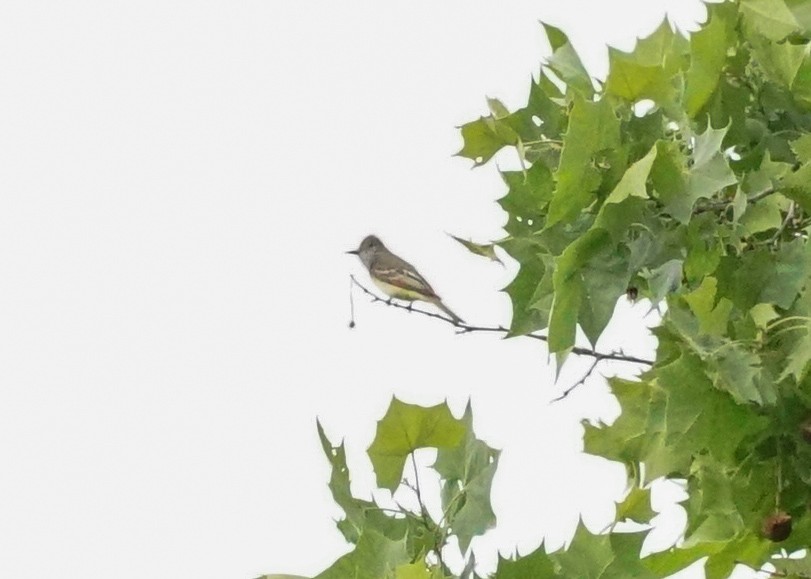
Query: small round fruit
(777, 527)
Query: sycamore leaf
(405, 428)
(355, 509)
(647, 71)
(528, 196)
(531, 291)
(537, 565)
(484, 249)
(636, 506)
(413, 571)
(375, 556)
(763, 215)
(682, 180)
(592, 127)
(712, 317)
(663, 426)
(589, 277)
(610, 556)
(793, 568)
(665, 279)
(746, 548)
(771, 18)
(708, 57)
(468, 470)
(633, 181)
(796, 186)
(485, 136)
(780, 61)
(566, 63)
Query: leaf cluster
(685, 179)
(403, 543)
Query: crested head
(368, 248)
(370, 242)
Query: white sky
(180, 181)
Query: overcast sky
(180, 182)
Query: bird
(396, 277)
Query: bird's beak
(354, 252)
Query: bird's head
(368, 247)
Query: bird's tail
(456, 319)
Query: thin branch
(722, 204)
(426, 519)
(789, 216)
(462, 328)
(597, 360)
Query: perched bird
(396, 277)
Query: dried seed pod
(777, 527)
(632, 293)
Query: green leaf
(679, 187)
(589, 277)
(647, 72)
(405, 428)
(531, 291)
(592, 128)
(605, 278)
(611, 556)
(797, 186)
(484, 137)
(413, 571)
(375, 556)
(636, 506)
(665, 279)
(633, 180)
(468, 470)
(529, 193)
(763, 215)
(565, 63)
(484, 249)
(663, 426)
(791, 268)
(771, 18)
(780, 62)
(801, 9)
(712, 317)
(708, 49)
(537, 565)
(355, 509)
(793, 568)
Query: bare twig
(597, 359)
(462, 328)
(426, 518)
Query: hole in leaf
(529, 222)
(732, 154)
(479, 160)
(643, 107)
(537, 120)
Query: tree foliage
(684, 178)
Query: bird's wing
(402, 274)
